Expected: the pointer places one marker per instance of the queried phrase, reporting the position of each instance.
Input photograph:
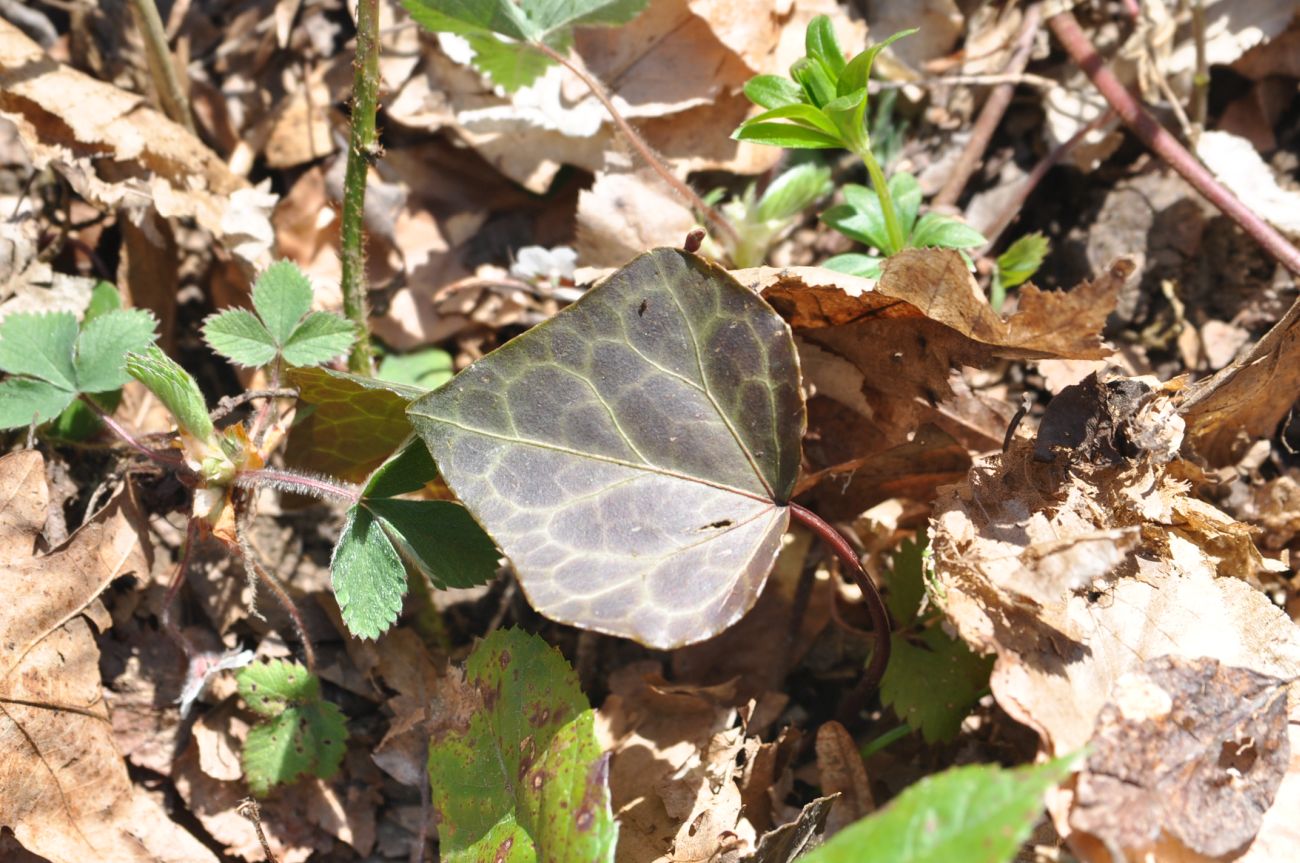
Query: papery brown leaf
(64, 788)
(843, 773)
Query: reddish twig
(1071, 36)
(875, 605)
(991, 114)
(164, 458)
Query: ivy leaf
(525, 779)
(515, 64)
(50, 359)
(977, 814)
(284, 325)
(304, 734)
(175, 388)
(633, 456)
(352, 425)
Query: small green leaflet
(977, 814)
(50, 359)
(1016, 265)
(303, 734)
(500, 31)
(383, 533)
(525, 778)
(284, 325)
(175, 388)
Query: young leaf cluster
(301, 732)
(502, 32)
(282, 325)
(761, 220)
(527, 773)
(1017, 265)
(50, 359)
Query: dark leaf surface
(355, 423)
(632, 456)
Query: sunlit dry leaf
(624, 213)
(843, 773)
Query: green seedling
(762, 220)
(300, 732)
(823, 105)
(1017, 265)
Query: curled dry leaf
(64, 785)
(1077, 572)
(88, 130)
(843, 773)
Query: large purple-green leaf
(354, 423)
(632, 456)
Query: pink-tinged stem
(875, 605)
(1071, 36)
(286, 480)
(168, 459)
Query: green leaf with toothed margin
(303, 733)
(367, 574)
(977, 814)
(633, 456)
(523, 777)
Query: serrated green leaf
(773, 91)
(282, 295)
(321, 337)
(1022, 259)
(786, 135)
(351, 424)
(936, 231)
(368, 576)
(102, 346)
(305, 734)
(933, 684)
(27, 400)
(174, 387)
(40, 345)
(905, 581)
(426, 368)
(855, 264)
(978, 814)
(509, 65)
(794, 191)
(470, 17)
(632, 455)
(440, 538)
(240, 337)
(526, 780)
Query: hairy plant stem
(1067, 31)
(878, 182)
(634, 139)
(879, 615)
(162, 67)
(281, 596)
(363, 148)
(178, 578)
(287, 480)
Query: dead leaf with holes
(1082, 569)
(64, 788)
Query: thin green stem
(885, 740)
(892, 226)
(363, 148)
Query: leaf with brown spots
(524, 779)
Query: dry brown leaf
(64, 785)
(1190, 748)
(120, 154)
(843, 773)
(624, 213)
(1078, 572)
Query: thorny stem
(880, 624)
(163, 458)
(715, 218)
(1067, 31)
(175, 104)
(362, 149)
(287, 480)
(995, 106)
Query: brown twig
(1068, 32)
(995, 106)
(249, 809)
(715, 218)
(182, 567)
(876, 610)
(229, 403)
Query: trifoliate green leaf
(367, 574)
(281, 296)
(305, 734)
(933, 682)
(239, 336)
(104, 297)
(174, 387)
(906, 581)
(525, 779)
(321, 337)
(977, 814)
(103, 344)
(40, 346)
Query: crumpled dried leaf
(1075, 574)
(66, 792)
(1190, 748)
(843, 773)
(1237, 165)
(624, 213)
(91, 131)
